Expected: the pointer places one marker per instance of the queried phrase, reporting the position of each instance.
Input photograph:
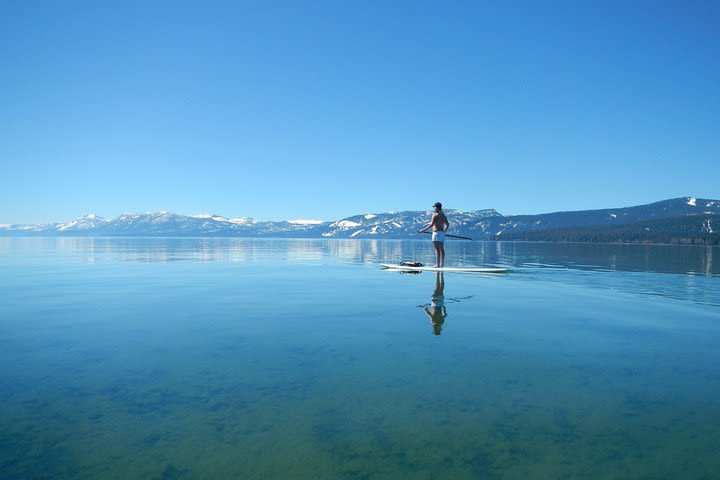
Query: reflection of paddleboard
(421, 268)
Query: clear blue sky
(321, 110)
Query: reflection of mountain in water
(697, 260)
(630, 258)
(624, 267)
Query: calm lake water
(159, 358)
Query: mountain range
(679, 220)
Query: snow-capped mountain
(162, 223)
(88, 222)
(401, 224)
(609, 217)
(479, 224)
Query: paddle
(453, 236)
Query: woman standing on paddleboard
(439, 224)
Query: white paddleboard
(446, 269)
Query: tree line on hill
(691, 230)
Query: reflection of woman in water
(437, 312)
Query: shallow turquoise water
(233, 358)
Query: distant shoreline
(686, 243)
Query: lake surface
(157, 358)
